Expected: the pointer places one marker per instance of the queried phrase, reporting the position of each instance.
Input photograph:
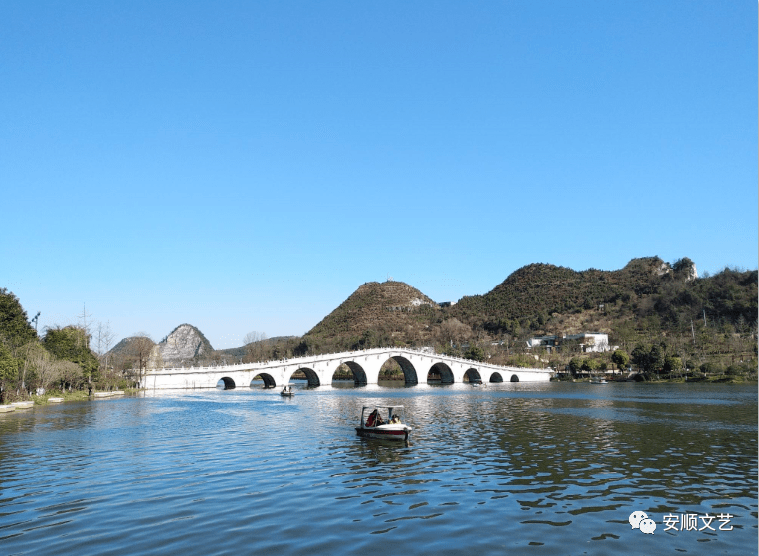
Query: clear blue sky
(246, 166)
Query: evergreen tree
(72, 344)
(15, 329)
(9, 366)
(620, 359)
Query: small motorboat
(385, 422)
(287, 391)
(598, 381)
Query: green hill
(376, 314)
(647, 303)
(125, 346)
(533, 296)
(529, 296)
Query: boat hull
(386, 434)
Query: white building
(588, 342)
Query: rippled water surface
(513, 468)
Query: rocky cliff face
(692, 273)
(184, 345)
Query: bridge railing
(333, 356)
(278, 362)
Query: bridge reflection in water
(364, 365)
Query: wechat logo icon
(639, 520)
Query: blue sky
(245, 166)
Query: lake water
(514, 468)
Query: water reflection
(513, 465)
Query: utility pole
(86, 330)
(84, 316)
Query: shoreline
(81, 395)
(677, 380)
(76, 396)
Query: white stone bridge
(365, 365)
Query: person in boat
(395, 420)
(374, 419)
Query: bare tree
(255, 345)
(103, 338)
(48, 369)
(453, 331)
(140, 348)
(25, 352)
(69, 372)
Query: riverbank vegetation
(62, 359)
(71, 396)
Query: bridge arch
(514, 378)
(311, 376)
(229, 384)
(359, 375)
(409, 372)
(269, 381)
(473, 376)
(496, 377)
(445, 372)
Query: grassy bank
(73, 396)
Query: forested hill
(729, 297)
(534, 292)
(543, 299)
(375, 310)
(530, 296)
(126, 345)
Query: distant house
(588, 342)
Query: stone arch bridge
(365, 366)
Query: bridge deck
(365, 366)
